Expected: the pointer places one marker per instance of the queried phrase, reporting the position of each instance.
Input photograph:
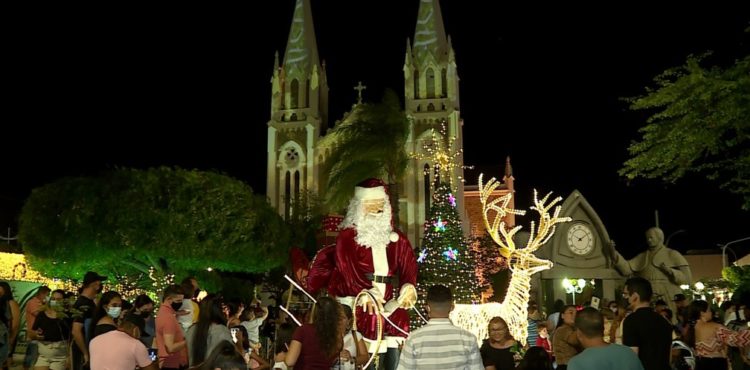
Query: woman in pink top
(710, 339)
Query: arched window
(295, 94)
(287, 194)
(431, 107)
(416, 84)
(430, 83)
(427, 188)
(307, 94)
(444, 81)
(295, 200)
(283, 95)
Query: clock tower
(578, 250)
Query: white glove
(366, 299)
(407, 296)
(280, 365)
(375, 291)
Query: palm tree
(370, 144)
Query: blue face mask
(114, 312)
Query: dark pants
(562, 367)
(387, 361)
(77, 361)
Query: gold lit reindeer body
(521, 262)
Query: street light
(573, 286)
(724, 250)
(673, 234)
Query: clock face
(580, 239)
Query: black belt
(378, 278)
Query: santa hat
(375, 189)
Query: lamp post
(666, 243)
(724, 250)
(573, 286)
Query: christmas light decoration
(441, 248)
(521, 261)
(13, 266)
(452, 200)
(450, 254)
(439, 224)
(443, 156)
(422, 255)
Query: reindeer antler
(541, 235)
(538, 235)
(505, 243)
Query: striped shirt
(440, 345)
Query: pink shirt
(166, 323)
(116, 350)
(31, 310)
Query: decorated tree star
(439, 224)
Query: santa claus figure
(370, 255)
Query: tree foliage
(699, 123)
(370, 145)
(130, 219)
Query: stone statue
(665, 268)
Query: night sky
(192, 88)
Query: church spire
(429, 36)
(508, 168)
(301, 49)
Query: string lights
(521, 261)
(13, 266)
(443, 156)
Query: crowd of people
(101, 330)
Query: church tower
(431, 95)
(299, 111)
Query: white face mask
(114, 312)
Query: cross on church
(359, 89)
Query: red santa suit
(348, 268)
(354, 270)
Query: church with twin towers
(299, 137)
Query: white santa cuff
(377, 192)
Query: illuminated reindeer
(521, 262)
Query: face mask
(114, 312)
(54, 303)
(176, 305)
(197, 292)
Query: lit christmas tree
(444, 256)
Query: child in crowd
(543, 339)
(252, 322)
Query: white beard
(373, 231)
